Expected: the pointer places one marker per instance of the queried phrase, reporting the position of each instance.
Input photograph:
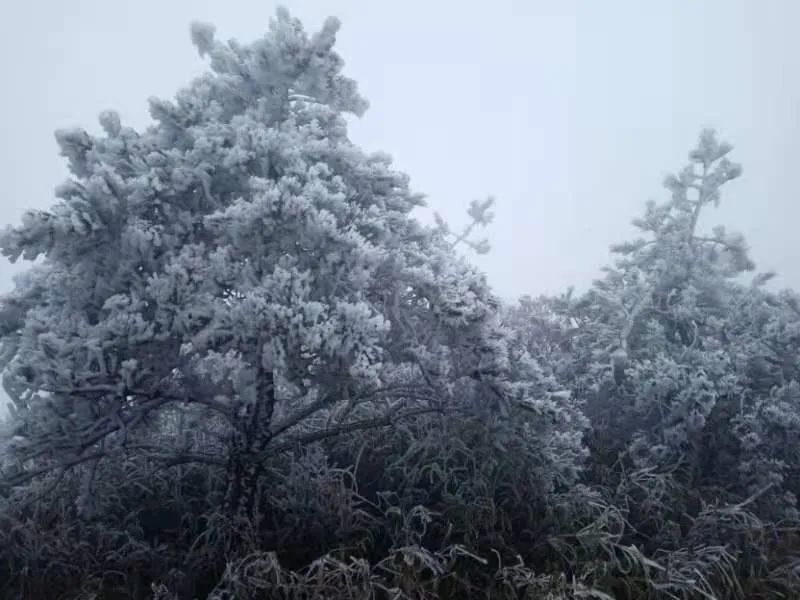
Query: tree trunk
(250, 438)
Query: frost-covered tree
(650, 330)
(236, 280)
(691, 384)
(239, 350)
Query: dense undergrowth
(243, 370)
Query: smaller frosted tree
(678, 270)
(683, 365)
(652, 326)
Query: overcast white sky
(570, 113)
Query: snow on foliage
(243, 367)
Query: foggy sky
(570, 113)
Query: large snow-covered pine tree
(239, 263)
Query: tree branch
(321, 403)
(26, 476)
(329, 432)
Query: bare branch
(345, 428)
(178, 456)
(327, 400)
(26, 476)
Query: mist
(569, 113)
